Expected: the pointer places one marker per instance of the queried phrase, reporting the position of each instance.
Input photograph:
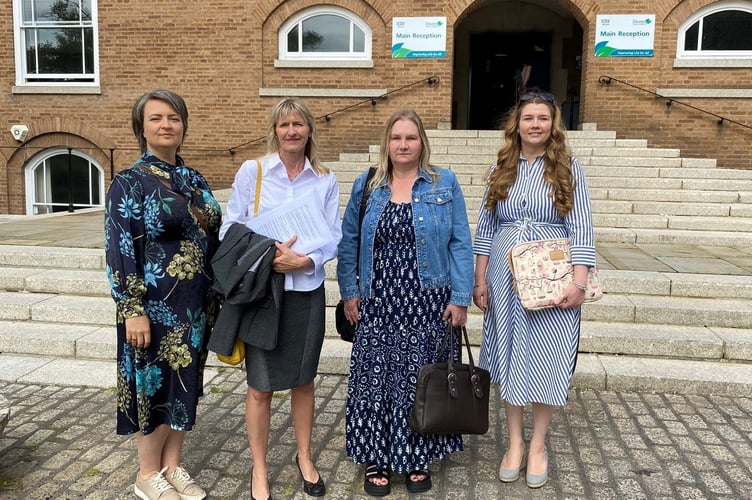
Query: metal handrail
(670, 100)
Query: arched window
(325, 32)
(57, 181)
(719, 31)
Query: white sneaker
(155, 488)
(187, 488)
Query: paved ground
(60, 444)
(60, 441)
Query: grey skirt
(295, 359)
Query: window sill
(712, 63)
(56, 89)
(322, 63)
(706, 93)
(308, 92)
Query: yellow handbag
(238, 350)
(237, 356)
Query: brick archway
(49, 133)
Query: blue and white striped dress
(531, 354)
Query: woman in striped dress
(536, 190)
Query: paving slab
(708, 265)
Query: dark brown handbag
(451, 398)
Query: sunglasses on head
(529, 96)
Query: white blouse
(277, 189)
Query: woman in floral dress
(415, 273)
(161, 226)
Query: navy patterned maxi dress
(158, 264)
(399, 330)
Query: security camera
(19, 132)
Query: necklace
(294, 175)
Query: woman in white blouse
(291, 172)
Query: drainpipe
(70, 179)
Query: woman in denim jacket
(416, 272)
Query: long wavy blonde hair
(384, 167)
(557, 169)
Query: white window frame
(39, 161)
(711, 55)
(298, 19)
(76, 80)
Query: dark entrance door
(496, 61)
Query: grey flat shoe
(512, 475)
(538, 480)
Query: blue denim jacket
(442, 233)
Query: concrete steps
(655, 321)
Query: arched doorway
(62, 179)
(493, 43)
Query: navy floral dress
(399, 330)
(158, 255)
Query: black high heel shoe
(317, 489)
(252, 497)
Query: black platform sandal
(415, 485)
(376, 490)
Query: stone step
(670, 184)
(632, 152)
(688, 311)
(666, 221)
(657, 208)
(667, 195)
(53, 257)
(44, 280)
(660, 172)
(469, 134)
(666, 341)
(676, 285)
(674, 237)
(640, 374)
(53, 308)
